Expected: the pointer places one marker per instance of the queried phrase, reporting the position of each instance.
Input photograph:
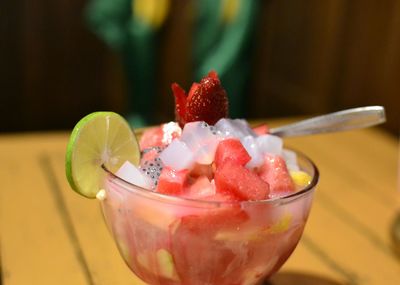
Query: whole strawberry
(207, 101)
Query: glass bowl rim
(177, 199)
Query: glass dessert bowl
(168, 239)
(204, 199)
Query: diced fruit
(151, 137)
(143, 260)
(149, 154)
(172, 181)
(160, 136)
(251, 234)
(241, 182)
(97, 139)
(193, 242)
(276, 174)
(282, 224)
(261, 129)
(124, 249)
(207, 101)
(300, 178)
(233, 150)
(152, 168)
(166, 265)
(132, 174)
(159, 218)
(213, 220)
(202, 187)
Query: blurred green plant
(221, 41)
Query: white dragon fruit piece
(202, 140)
(236, 128)
(177, 155)
(151, 164)
(132, 174)
(251, 146)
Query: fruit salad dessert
(205, 199)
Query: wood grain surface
(51, 235)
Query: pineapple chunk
(300, 178)
(166, 265)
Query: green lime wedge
(98, 138)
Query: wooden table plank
(307, 261)
(36, 247)
(101, 254)
(361, 192)
(347, 219)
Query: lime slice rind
(98, 138)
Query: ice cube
(236, 128)
(132, 174)
(177, 155)
(206, 153)
(270, 144)
(200, 138)
(250, 144)
(197, 134)
(290, 158)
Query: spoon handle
(355, 118)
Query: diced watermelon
(237, 180)
(150, 155)
(261, 129)
(202, 187)
(151, 137)
(276, 174)
(233, 150)
(159, 136)
(193, 240)
(172, 182)
(214, 220)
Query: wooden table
(50, 235)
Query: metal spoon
(345, 120)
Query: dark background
(311, 57)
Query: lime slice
(99, 138)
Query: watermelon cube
(261, 129)
(171, 181)
(160, 136)
(233, 150)
(201, 188)
(236, 179)
(275, 173)
(193, 241)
